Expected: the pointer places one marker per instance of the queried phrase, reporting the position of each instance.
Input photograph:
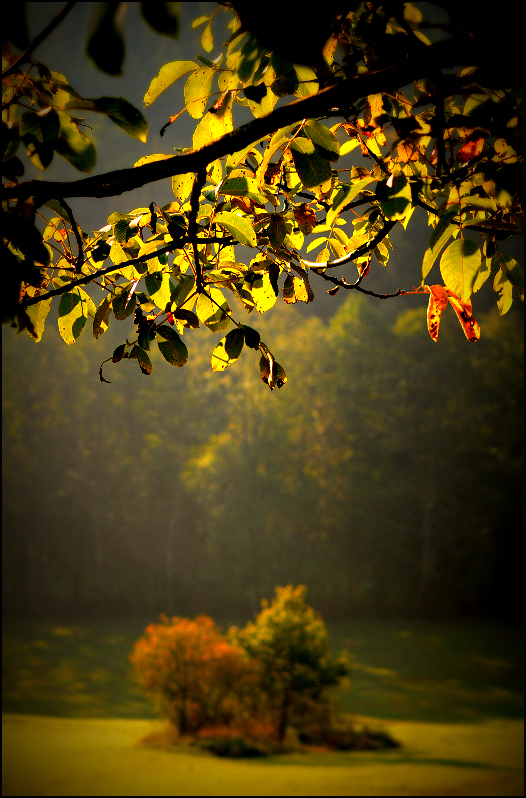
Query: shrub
(290, 644)
(197, 676)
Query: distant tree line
(387, 479)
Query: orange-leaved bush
(197, 676)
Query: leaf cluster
(452, 145)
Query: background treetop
(362, 113)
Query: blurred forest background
(386, 475)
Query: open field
(402, 670)
(73, 756)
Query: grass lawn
(78, 756)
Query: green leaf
(180, 292)
(212, 309)
(312, 169)
(228, 350)
(344, 195)
(242, 186)
(502, 285)
(397, 198)
(58, 209)
(74, 146)
(238, 226)
(163, 17)
(125, 115)
(172, 348)
(432, 252)
(144, 361)
(197, 90)
(158, 287)
(118, 353)
(459, 267)
(168, 74)
(122, 308)
(73, 311)
(513, 272)
(324, 140)
(37, 313)
(105, 45)
(276, 230)
(252, 337)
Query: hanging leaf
(252, 337)
(158, 287)
(102, 315)
(212, 310)
(37, 314)
(459, 266)
(465, 317)
(106, 45)
(74, 146)
(502, 285)
(197, 90)
(324, 140)
(276, 230)
(345, 194)
(73, 311)
(438, 299)
(168, 74)
(163, 17)
(228, 350)
(397, 194)
(144, 361)
(263, 292)
(172, 348)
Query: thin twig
(24, 57)
(356, 253)
(115, 268)
(80, 257)
(199, 182)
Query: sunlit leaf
(168, 74)
(263, 293)
(459, 266)
(465, 316)
(74, 308)
(502, 285)
(324, 140)
(238, 226)
(37, 314)
(228, 350)
(438, 300)
(344, 195)
(196, 91)
(397, 197)
(212, 309)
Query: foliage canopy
(434, 106)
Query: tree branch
(115, 267)
(356, 253)
(24, 57)
(336, 98)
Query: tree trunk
(285, 704)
